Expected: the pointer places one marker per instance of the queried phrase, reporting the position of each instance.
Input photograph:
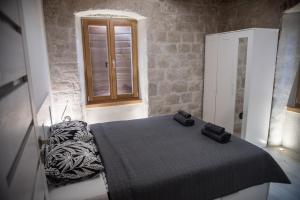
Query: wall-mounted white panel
(15, 118)
(12, 65)
(40, 184)
(22, 185)
(116, 113)
(34, 33)
(43, 121)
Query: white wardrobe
(238, 81)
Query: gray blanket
(157, 158)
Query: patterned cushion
(71, 161)
(69, 124)
(61, 135)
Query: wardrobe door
(26, 169)
(260, 89)
(210, 75)
(226, 82)
(12, 65)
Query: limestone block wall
(175, 35)
(242, 14)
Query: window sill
(116, 103)
(293, 109)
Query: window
(110, 59)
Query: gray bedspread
(157, 158)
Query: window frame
(297, 102)
(113, 97)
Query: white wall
(291, 125)
(288, 63)
(37, 56)
(116, 113)
(291, 131)
(122, 112)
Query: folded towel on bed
(221, 138)
(184, 114)
(214, 128)
(184, 121)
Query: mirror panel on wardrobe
(240, 85)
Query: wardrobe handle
(241, 115)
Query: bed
(157, 158)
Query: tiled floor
(290, 163)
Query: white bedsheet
(91, 189)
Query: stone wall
(241, 14)
(176, 30)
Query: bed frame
(258, 192)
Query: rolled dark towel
(185, 122)
(214, 128)
(184, 114)
(222, 138)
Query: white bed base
(258, 192)
(94, 189)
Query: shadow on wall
(295, 92)
(291, 125)
(284, 125)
